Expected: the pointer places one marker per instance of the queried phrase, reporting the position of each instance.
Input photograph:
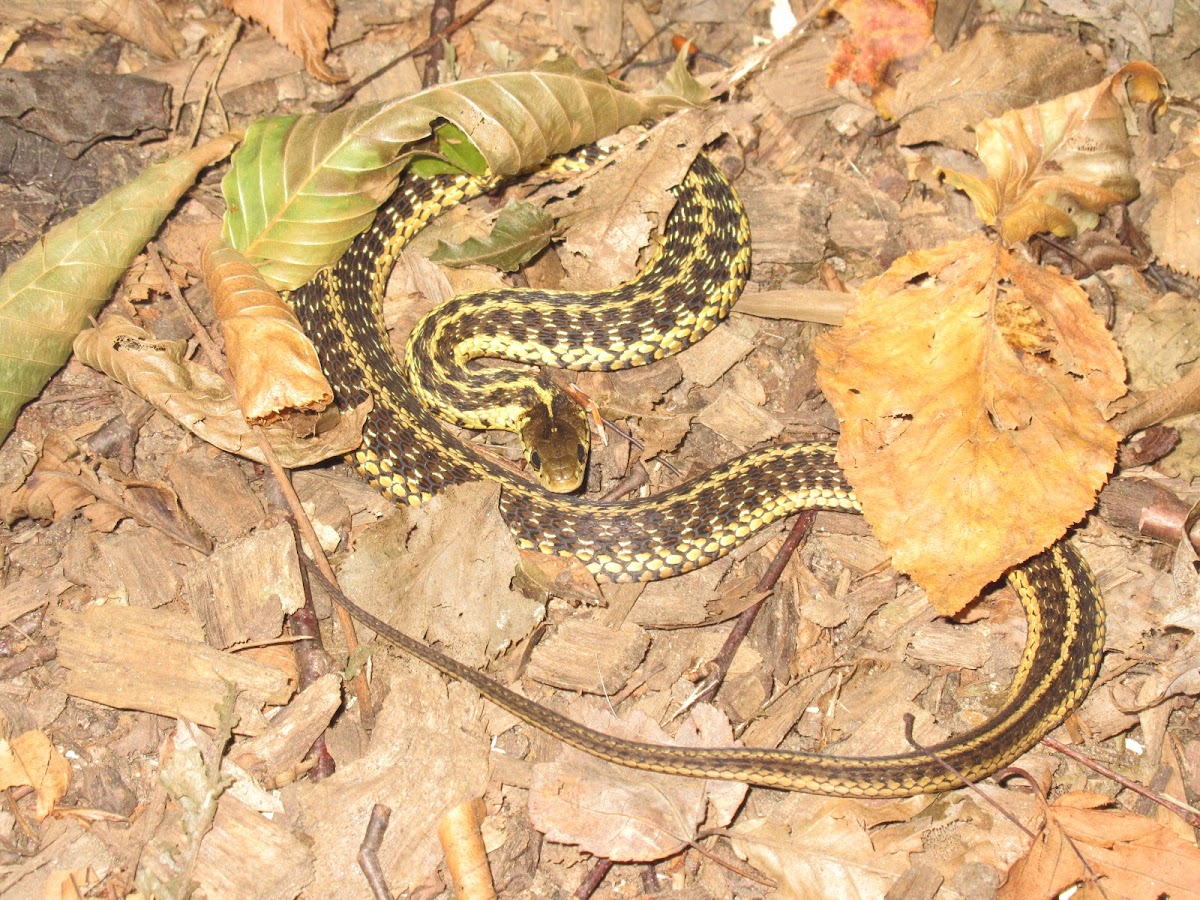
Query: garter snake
(410, 455)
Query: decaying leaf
(612, 216)
(300, 25)
(1131, 855)
(443, 573)
(273, 362)
(1174, 222)
(199, 400)
(628, 815)
(31, 759)
(1058, 165)
(519, 233)
(883, 33)
(47, 296)
(967, 382)
(990, 72)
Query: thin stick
(359, 686)
(1187, 813)
(801, 529)
(424, 47)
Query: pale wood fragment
(243, 593)
(156, 660)
(583, 655)
(274, 757)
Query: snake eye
(580, 452)
(535, 460)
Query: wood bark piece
(708, 360)
(275, 756)
(249, 855)
(944, 644)
(732, 417)
(247, 587)
(157, 661)
(582, 655)
(213, 491)
(27, 594)
(140, 564)
(427, 755)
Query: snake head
(555, 438)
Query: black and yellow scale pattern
(410, 455)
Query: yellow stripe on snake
(684, 291)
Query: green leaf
(521, 231)
(47, 295)
(300, 189)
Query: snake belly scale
(411, 455)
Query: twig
(1187, 813)
(440, 18)
(359, 685)
(801, 529)
(909, 721)
(368, 851)
(424, 47)
(224, 47)
(593, 879)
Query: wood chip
(248, 855)
(945, 644)
(732, 417)
(275, 756)
(707, 361)
(583, 655)
(155, 660)
(213, 490)
(243, 593)
(27, 594)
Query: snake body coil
(410, 455)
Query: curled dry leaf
(274, 364)
(1058, 165)
(199, 400)
(1135, 856)
(624, 814)
(300, 25)
(31, 759)
(967, 382)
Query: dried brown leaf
(199, 400)
(1135, 856)
(1058, 165)
(300, 25)
(1174, 220)
(273, 362)
(31, 759)
(628, 815)
(992, 71)
(611, 219)
(967, 382)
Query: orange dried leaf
(967, 382)
(300, 25)
(31, 759)
(882, 32)
(273, 362)
(1057, 165)
(1135, 856)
